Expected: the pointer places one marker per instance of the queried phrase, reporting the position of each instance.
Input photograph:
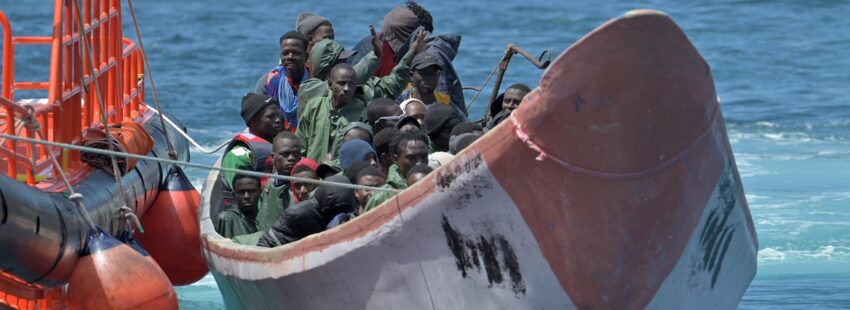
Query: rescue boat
(613, 186)
(61, 209)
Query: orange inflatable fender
(172, 230)
(111, 275)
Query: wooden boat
(51, 257)
(613, 186)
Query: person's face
(425, 79)
(247, 192)
(417, 111)
(342, 86)
(292, 56)
(410, 154)
(363, 195)
(302, 189)
(357, 133)
(287, 152)
(371, 160)
(512, 99)
(268, 123)
(414, 177)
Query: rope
(194, 165)
(31, 122)
(186, 135)
(86, 49)
(171, 153)
(496, 68)
(543, 154)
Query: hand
(421, 43)
(377, 47)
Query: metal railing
(71, 104)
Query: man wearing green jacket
(286, 151)
(324, 55)
(241, 220)
(346, 102)
(409, 148)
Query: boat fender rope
(130, 216)
(30, 122)
(525, 138)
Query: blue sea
(782, 69)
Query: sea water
(781, 68)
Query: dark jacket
(310, 216)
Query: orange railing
(72, 102)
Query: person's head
(439, 122)
(416, 109)
(356, 150)
(382, 142)
(401, 21)
(262, 115)
(286, 151)
(461, 141)
(379, 113)
(425, 73)
(342, 84)
(417, 173)
(334, 199)
(408, 123)
(467, 127)
(293, 53)
(314, 27)
(358, 133)
(354, 168)
(324, 55)
(305, 169)
(514, 95)
(410, 148)
(246, 191)
(368, 176)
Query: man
(369, 176)
(510, 101)
(283, 81)
(439, 123)
(425, 74)
(314, 27)
(351, 131)
(410, 148)
(251, 150)
(381, 144)
(241, 220)
(276, 195)
(346, 102)
(382, 113)
(356, 150)
(311, 216)
(323, 57)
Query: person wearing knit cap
(314, 27)
(356, 150)
(439, 122)
(251, 150)
(346, 102)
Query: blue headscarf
(285, 95)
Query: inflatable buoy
(111, 275)
(127, 238)
(172, 231)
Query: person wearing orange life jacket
(283, 81)
(251, 150)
